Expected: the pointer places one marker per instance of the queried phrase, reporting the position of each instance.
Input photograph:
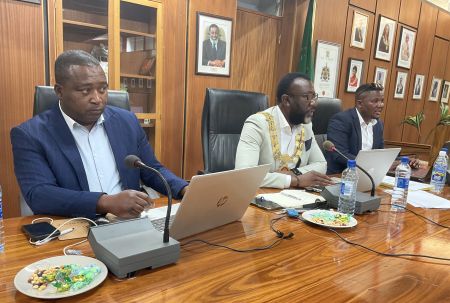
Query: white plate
(22, 285)
(325, 214)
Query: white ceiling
(445, 4)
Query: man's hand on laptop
(414, 163)
(126, 204)
(313, 178)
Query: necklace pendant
(285, 159)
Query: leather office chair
(326, 108)
(224, 114)
(45, 98)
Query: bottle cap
(442, 153)
(351, 163)
(405, 160)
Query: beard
(298, 118)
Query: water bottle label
(1, 208)
(438, 176)
(402, 183)
(346, 188)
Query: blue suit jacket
(344, 130)
(50, 171)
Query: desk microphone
(364, 201)
(133, 161)
(329, 146)
(131, 245)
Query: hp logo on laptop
(222, 201)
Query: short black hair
(70, 58)
(367, 87)
(286, 81)
(213, 25)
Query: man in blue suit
(357, 128)
(69, 160)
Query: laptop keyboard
(159, 223)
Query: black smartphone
(265, 204)
(39, 231)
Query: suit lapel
(63, 138)
(114, 132)
(357, 127)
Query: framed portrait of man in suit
(213, 45)
(418, 87)
(400, 85)
(359, 30)
(445, 92)
(435, 89)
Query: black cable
(419, 215)
(281, 236)
(275, 243)
(386, 254)
(396, 255)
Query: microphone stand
(372, 191)
(169, 198)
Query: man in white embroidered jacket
(283, 137)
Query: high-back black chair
(45, 98)
(326, 108)
(224, 114)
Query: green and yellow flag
(306, 62)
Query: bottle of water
(2, 232)
(399, 197)
(439, 172)
(347, 196)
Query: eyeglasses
(308, 97)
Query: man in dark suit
(214, 49)
(69, 160)
(357, 128)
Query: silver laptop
(377, 163)
(211, 200)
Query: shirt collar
(283, 123)
(71, 123)
(363, 123)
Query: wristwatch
(296, 171)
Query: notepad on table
(292, 198)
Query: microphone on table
(364, 202)
(131, 245)
(133, 161)
(329, 146)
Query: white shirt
(287, 140)
(96, 154)
(366, 132)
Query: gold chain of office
(277, 155)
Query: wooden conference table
(314, 266)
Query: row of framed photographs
(385, 39)
(355, 72)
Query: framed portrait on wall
(445, 92)
(405, 53)
(400, 85)
(327, 68)
(380, 76)
(418, 87)
(385, 38)
(213, 45)
(354, 74)
(359, 30)
(435, 89)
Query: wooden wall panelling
(356, 53)
(22, 64)
(394, 109)
(299, 26)
(443, 25)
(368, 5)
(410, 12)
(255, 53)
(288, 25)
(173, 92)
(437, 69)
(330, 24)
(389, 8)
(420, 65)
(197, 84)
